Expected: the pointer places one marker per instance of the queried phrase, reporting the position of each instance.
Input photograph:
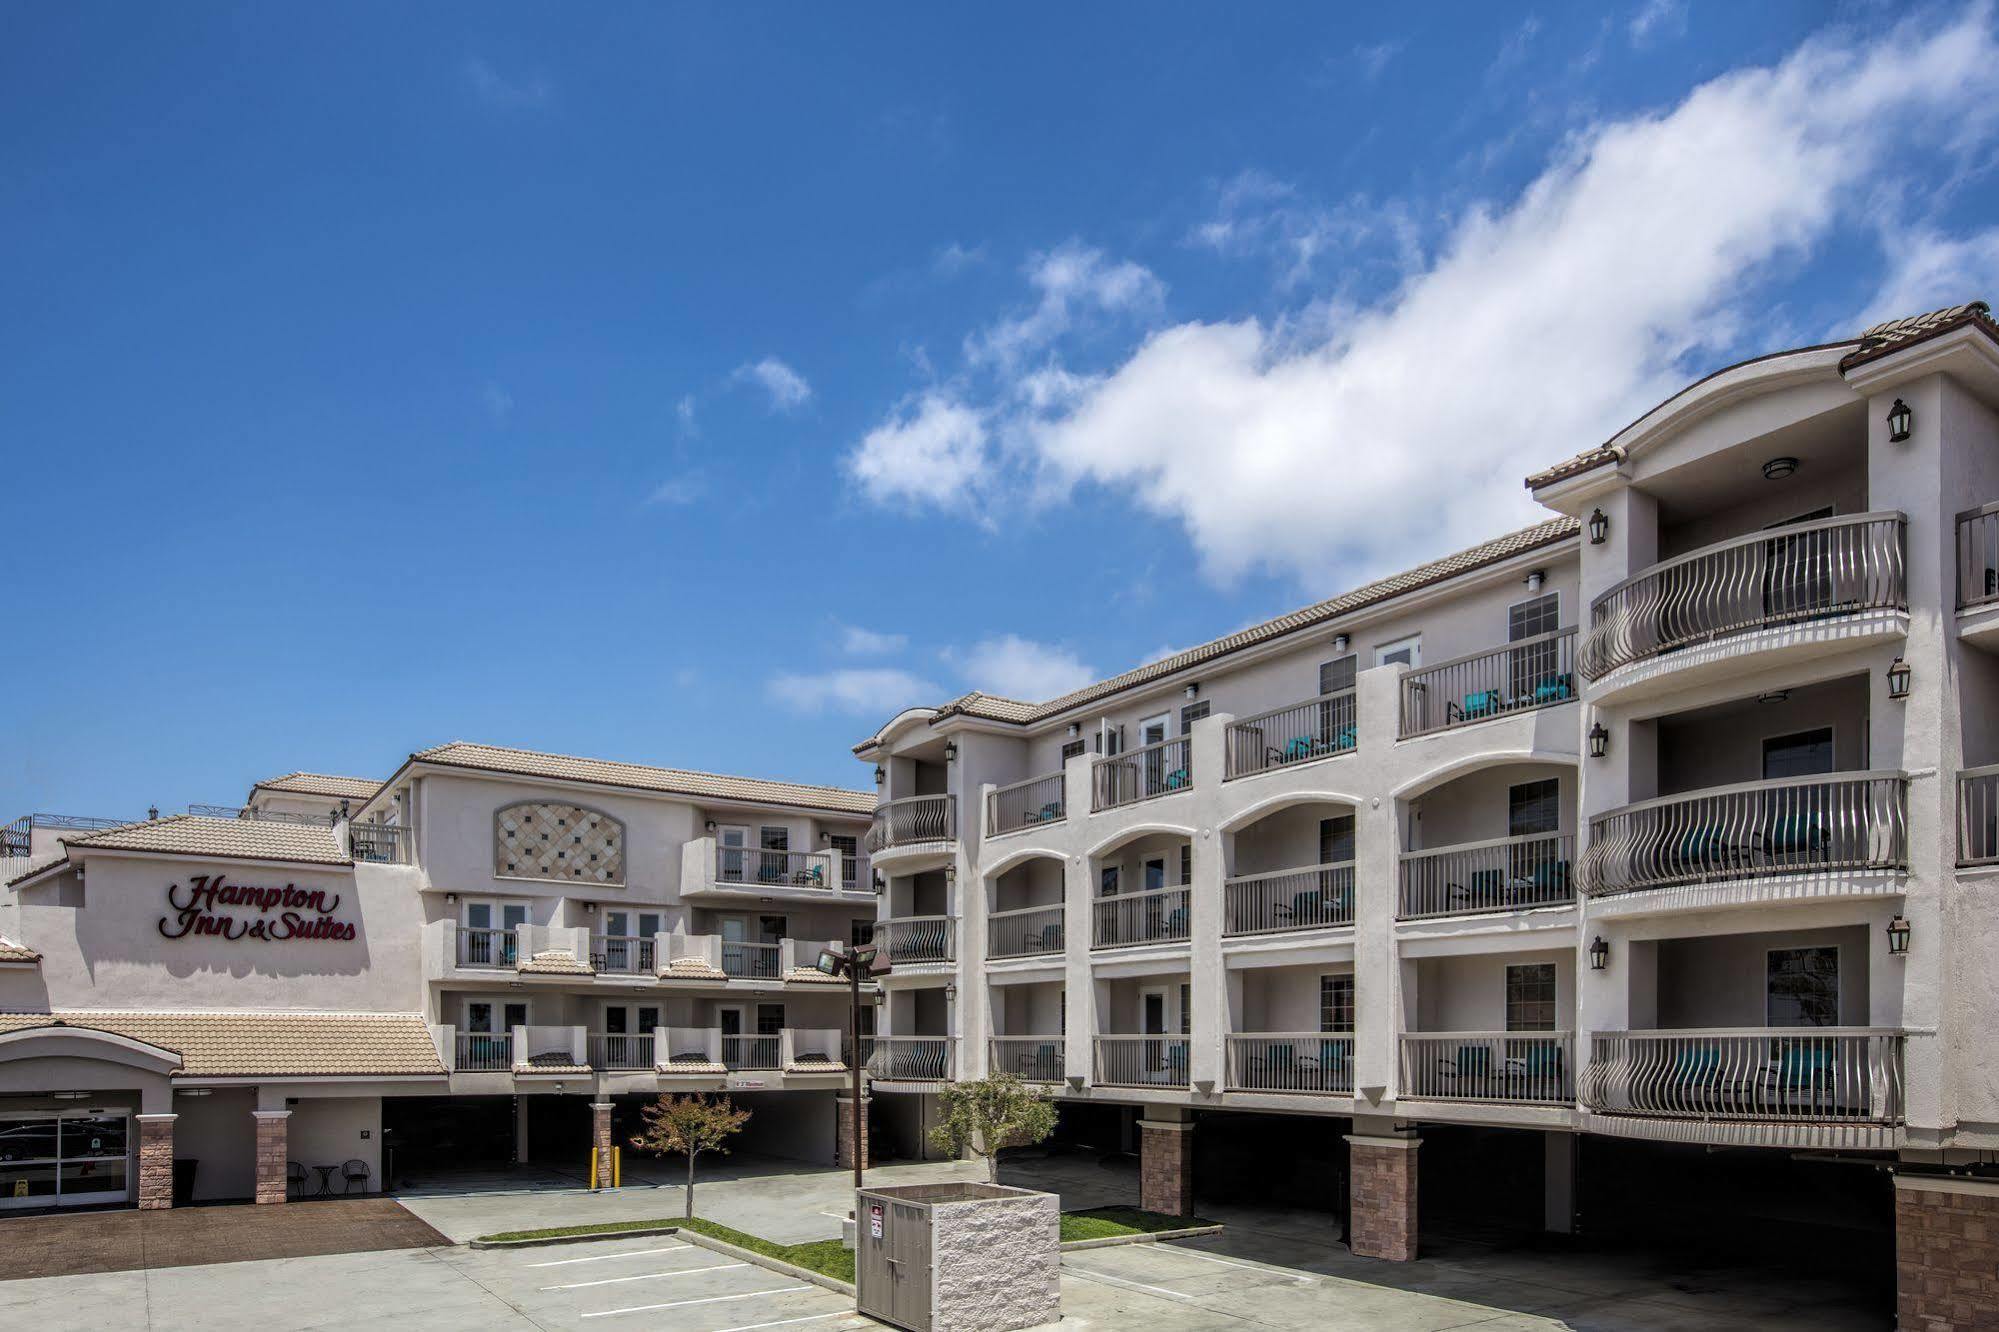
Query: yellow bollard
(593, 1169)
(617, 1167)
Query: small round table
(325, 1180)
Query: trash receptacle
(958, 1257)
(184, 1179)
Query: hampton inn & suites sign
(276, 914)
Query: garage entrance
(429, 1134)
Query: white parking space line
(681, 1304)
(606, 1257)
(1120, 1281)
(1247, 1267)
(809, 1318)
(646, 1276)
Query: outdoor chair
(1468, 1070)
(354, 1172)
(1279, 1066)
(1536, 1071)
(1177, 778)
(1048, 813)
(296, 1176)
(1555, 688)
(1051, 938)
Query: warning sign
(874, 1220)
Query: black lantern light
(1599, 954)
(1898, 935)
(1898, 678)
(1900, 419)
(1599, 741)
(950, 751)
(1599, 527)
(881, 774)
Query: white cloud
(1658, 18)
(954, 259)
(1929, 270)
(930, 452)
(858, 642)
(497, 90)
(876, 691)
(787, 388)
(1257, 214)
(682, 489)
(1072, 280)
(1373, 59)
(683, 412)
(499, 403)
(1016, 667)
(1513, 51)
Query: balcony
(1537, 672)
(1029, 1058)
(733, 875)
(488, 948)
(1290, 1062)
(624, 954)
(1774, 579)
(1141, 1061)
(483, 1052)
(1028, 932)
(1978, 558)
(1978, 816)
(1308, 898)
(909, 1058)
(760, 1053)
(1516, 1067)
(1840, 1085)
(1028, 804)
(1318, 728)
(1142, 774)
(618, 1052)
(916, 940)
(1819, 827)
(913, 821)
(1504, 874)
(689, 1051)
(744, 959)
(381, 843)
(1159, 915)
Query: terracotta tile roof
(691, 968)
(13, 952)
(641, 777)
(990, 707)
(811, 976)
(268, 1044)
(810, 1065)
(554, 1062)
(240, 839)
(322, 784)
(555, 962)
(692, 1065)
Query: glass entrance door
(69, 1158)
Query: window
(541, 840)
(1530, 997)
(1338, 674)
(862, 931)
(770, 1019)
(1407, 651)
(1534, 672)
(1155, 874)
(1539, 615)
(1192, 713)
(1107, 881)
(1186, 1009)
(1336, 1003)
(1534, 807)
(1336, 839)
(773, 862)
(1072, 749)
(1805, 754)
(1803, 987)
(849, 848)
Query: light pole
(856, 964)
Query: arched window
(541, 840)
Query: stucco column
(1377, 841)
(273, 1151)
(1381, 1184)
(1077, 921)
(156, 1161)
(1207, 990)
(975, 996)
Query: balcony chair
(1043, 1060)
(1177, 779)
(1469, 1071)
(1478, 704)
(1277, 1068)
(1051, 939)
(1048, 813)
(1800, 1077)
(1335, 1066)
(1795, 835)
(810, 878)
(1536, 1069)
(1175, 923)
(296, 1176)
(1555, 688)
(1176, 1064)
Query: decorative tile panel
(542, 840)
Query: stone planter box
(958, 1257)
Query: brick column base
(273, 1151)
(843, 1138)
(1381, 1197)
(600, 1140)
(156, 1160)
(1166, 1167)
(1946, 1253)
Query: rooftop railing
(1978, 815)
(1793, 825)
(1307, 1061)
(1141, 1061)
(17, 838)
(1537, 672)
(1028, 932)
(1529, 1067)
(1160, 915)
(1029, 1058)
(913, 820)
(1027, 804)
(1780, 576)
(1307, 898)
(1978, 556)
(1321, 727)
(1140, 774)
(1819, 1075)
(1503, 874)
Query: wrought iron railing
(1779, 576)
(17, 838)
(1027, 804)
(485, 1052)
(1140, 774)
(1978, 815)
(1317, 728)
(1530, 1067)
(1029, 1058)
(753, 1053)
(909, 939)
(1504, 874)
(1141, 1061)
(1308, 1061)
(913, 820)
(1537, 672)
(1819, 1075)
(1978, 556)
(908, 1058)
(382, 843)
(765, 868)
(612, 1050)
(1308, 898)
(746, 960)
(1028, 932)
(1794, 825)
(1161, 915)
(488, 948)
(624, 954)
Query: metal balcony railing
(1308, 898)
(1795, 825)
(909, 939)
(1784, 575)
(1504, 874)
(908, 1058)
(1537, 672)
(617, 1051)
(17, 838)
(1978, 815)
(1819, 1075)
(488, 948)
(1141, 1061)
(762, 868)
(1317, 728)
(1029, 1058)
(485, 1052)
(912, 821)
(382, 843)
(1528, 1067)
(754, 1053)
(1298, 1061)
(624, 954)
(751, 961)
(1140, 774)
(1978, 556)
(1027, 804)
(1161, 915)
(1029, 932)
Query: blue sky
(699, 385)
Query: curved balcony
(916, 940)
(913, 828)
(1772, 579)
(1793, 828)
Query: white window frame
(1414, 642)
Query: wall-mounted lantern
(950, 993)
(1898, 935)
(451, 899)
(1599, 528)
(1193, 688)
(1075, 729)
(1900, 421)
(1599, 741)
(1898, 678)
(950, 751)
(881, 774)
(1599, 954)
(1341, 642)
(710, 825)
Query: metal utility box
(958, 1257)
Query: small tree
(692, 1125)
(992, 1113)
